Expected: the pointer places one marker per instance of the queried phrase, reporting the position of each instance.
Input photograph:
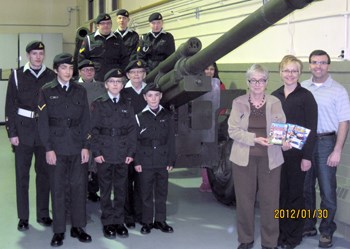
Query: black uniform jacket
(155, 48)
(64, 118)
(113, 130)
(156, 139)
(25, 95)
(106, 53)
(130, 40)
(300, 108)
(137, 101)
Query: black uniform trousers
(112, 176)
(133, 202)
(154, 186)
(68, 175)
(291, 198)
(23, 161)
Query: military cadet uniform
(114, 138)
(64, 123)
(94, 89)
(155, 47)
(133, 203)
(129, 36)
(155, 151)
(21, 121)
(107, 52)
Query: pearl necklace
(257, 106)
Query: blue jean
(326, 177)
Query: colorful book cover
(277, 133)
(297, 135)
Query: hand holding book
(295, 135)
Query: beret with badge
(122, 12)
(35, 45)
(135, 64)
(63, 58)
(155, 16)
(103, 17)
(85, 63)
(114, 73)
(151, 87)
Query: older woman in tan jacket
(256, 163)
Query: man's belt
(326, 134)
(64, 122)
(113, 131)
(26, 113)
(153, 143)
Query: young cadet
(129, 36)
(132, 92)
(94, 89)
(155, 157)
(64, 123)
(104, 48)
(113, 147)
(21, 125)
(156, 45)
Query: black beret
(155, 16)
(117, 73)
(135, 64)
(35, 45)
(63, 58)
(151, 87)
(85, 63)
(103, 17)
(123, 12)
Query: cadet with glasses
(113, 148)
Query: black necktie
(64, 88)
(115, 100)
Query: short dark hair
(319, 52)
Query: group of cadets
(102, 131)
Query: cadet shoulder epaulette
(51, 84)
(102, 98)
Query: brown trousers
(252, 181)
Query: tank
(201, 133)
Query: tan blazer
(238, 130)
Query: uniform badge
(41, 107)
(81, 50)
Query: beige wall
(41, 16)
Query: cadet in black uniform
(136, 72)
(156, 45)
(129, 36)
(64, 122)
(113, 148)
(21, 124)
(104, 48)
(94, 89)
(155, 156)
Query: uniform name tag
(53, 97)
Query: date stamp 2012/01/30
(300, 214)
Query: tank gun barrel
(189, 48)
(181, 75)
(258, 21)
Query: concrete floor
(199, 221)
